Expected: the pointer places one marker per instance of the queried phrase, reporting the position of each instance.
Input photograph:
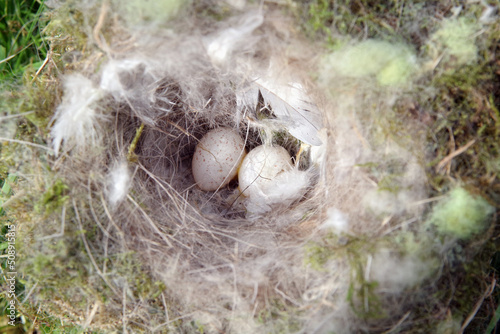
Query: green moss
(328, 17)
(49, 324)
(38, 101)
(58, 274)
(53, 198)
(457, 39)
(465, 110)
(212, 9)
(362, 294)
(389, 63)
(280, 316)
(461, 215)
(197, 327)
(66, 31)
(141, 284)
(318, 254)
(65, 274)
(363, 298)
(138, 12)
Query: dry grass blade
(452, 155)
(395, 328)
(27, 144)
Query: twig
(124, 318)
(282, 294)
(393, 329)
(91, 316)
(452, 155)
(99, 25)
(111, 220)
(428, 200)
(7, 59)
(45, 62)
(16, 115)
(471, 316)
(26, 143)
(165, 306)
(196, 271)
(133, 145)
(406, 222)
(29, 293)
(236, 239)
(178, 127)
(173, 320)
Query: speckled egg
(260, 168)
(217, 158)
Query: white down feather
(76, 117)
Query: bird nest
(165, 254)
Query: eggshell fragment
(217, 158)
(259, 169)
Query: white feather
(394, 273)
(290, 104)
(131, 81)
(119, 183)
(221, 45)
(336, 220)
(110, 77)
(76, 117)
(489, 13)
(284, 189)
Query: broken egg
(217, 158)
(260, 168)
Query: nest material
(220, 266)
(165, 94)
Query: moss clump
(137, 11)
(348, 17)
(54, 198)
(461, 215)
(468, 111)
(457, 39)
(319, 253)
(389, 63)
(362, 294)
(282, 317)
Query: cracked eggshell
(260, 168)
(217, 158)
